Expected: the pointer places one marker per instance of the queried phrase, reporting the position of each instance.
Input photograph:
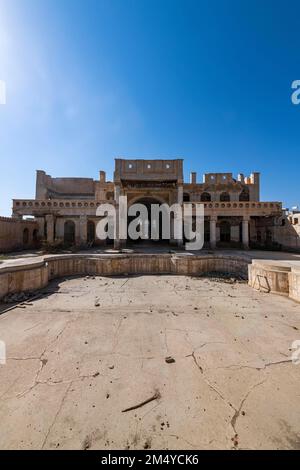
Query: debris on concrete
(17, 297)
(156, 396)
(170, 360)
(229, 277)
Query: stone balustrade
(35, 206)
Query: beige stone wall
(294, 284)
(12, 234)
(288, 235)
(35, 274)
(269, 277)
(278, 277)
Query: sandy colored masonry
(275, 276)
(66, 208)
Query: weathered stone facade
(65, 208)
(16, 234)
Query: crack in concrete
(29, 358)
(237, 413)
(258, 368)
(56, 414)
(116, 340)
(43, 362)
(183, 439)
(196, 362)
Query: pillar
(50, 228)
(117, 244)
(213, 236)
(41, 225)
(245, 233)
(59, 228)
(83, 229)
(180, 202)
(193, 177)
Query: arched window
(90, 231)
(25, 236)
(186, 197)
(109, 195)
(269, 238)
(35, 236)
(244, 195)
(206, 231)
(225, 231)
(69, 232)
(224, 197)
(205, 197)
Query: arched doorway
(90, 231)
(25, 236)
(69, 232)
(205, 197)
(206, 231)
(225, 231)
(269, 238)
(244, 195)
(145, 227)
(35, 237)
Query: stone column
(83, 229)
(245, 233)
(117, 244)
(59, 228)
(41, 225)
(50, 228)
(180, 202)
(213, 236)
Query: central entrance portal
(146, 228)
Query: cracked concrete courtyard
(91, 347)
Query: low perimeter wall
(267, 276)
(16, 234)
(280, 277)
(33, 275)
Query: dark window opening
(224, 197)
(90, 231)
(69, 232)
(205, 197)
(225, 231)
(25, 236)
(244, 195)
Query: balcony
(237, 208)
(66, 207)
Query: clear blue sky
(207, 81)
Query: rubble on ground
(229, 277)
(17, 297)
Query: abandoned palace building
(64, 209)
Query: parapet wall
(36, 274)
(278, 277)
(12, 234)
(267, 276)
